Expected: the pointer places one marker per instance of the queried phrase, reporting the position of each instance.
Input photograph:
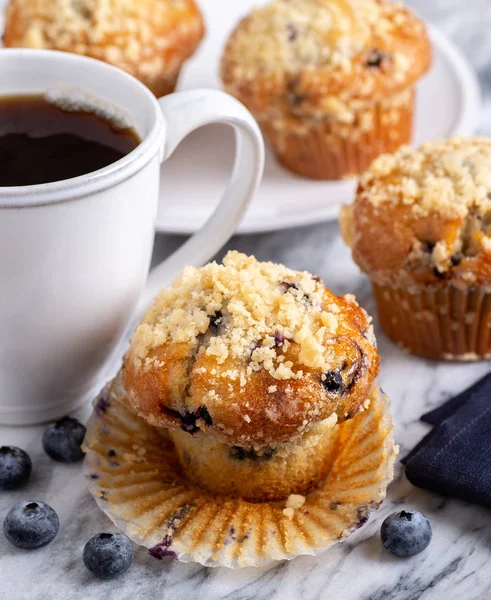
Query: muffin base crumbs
(147, 496)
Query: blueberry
(240, 453)
(203, 413)
(285, 286)
(333, 381)
(188, 422)
(279, 339)
(62, 440)
(216, 321)
(107, 555)
(15, 468)
(292, 32)
(31, 525)
(377, 59)
(188, 419)
(102, 403)
(406, 533)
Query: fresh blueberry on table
(107, 555)
(15, 467)
(406, 533)
(62, 440)
(31, 525)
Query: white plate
(448, 103)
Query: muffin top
(314, 51)
(251, 352)
(424, 216)
(148, 36)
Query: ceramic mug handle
(183, 113)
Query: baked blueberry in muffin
(251, 363)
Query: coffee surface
(41, 143)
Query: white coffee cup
(75, 254)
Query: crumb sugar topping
(118, 31)
(295, 501)
(451, 177)
(295, 35)
(247, 310)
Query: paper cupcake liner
(441, 323)
(134, 475)
(329, 150)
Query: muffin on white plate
(331, 82)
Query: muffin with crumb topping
(250, 365)
(420, 227)
(150, 39)
(332, 82)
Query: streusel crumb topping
(446, 176)
(259, 309)
(294, 35)
(423, 216)
(124, 32)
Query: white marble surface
(454, 567)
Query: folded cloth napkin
(454, 459)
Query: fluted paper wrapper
(446, 323)
(328, 151)
(134, 475)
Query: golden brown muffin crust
(252, 352)
(315, 56)
(148, 38)
(424, 216)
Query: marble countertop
(456, 564)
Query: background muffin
(330, 81)
(420, 228)
(256, 356)
(149, 39)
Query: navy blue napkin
(454, 459)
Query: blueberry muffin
(150, 39)
(252, 364)
(420, 227)
(332, 82)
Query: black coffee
(40, 142)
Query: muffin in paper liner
(332, 149)
(134, 475)
(446, 323)
(331, 82)
(420, 229)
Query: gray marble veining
(455, 566)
